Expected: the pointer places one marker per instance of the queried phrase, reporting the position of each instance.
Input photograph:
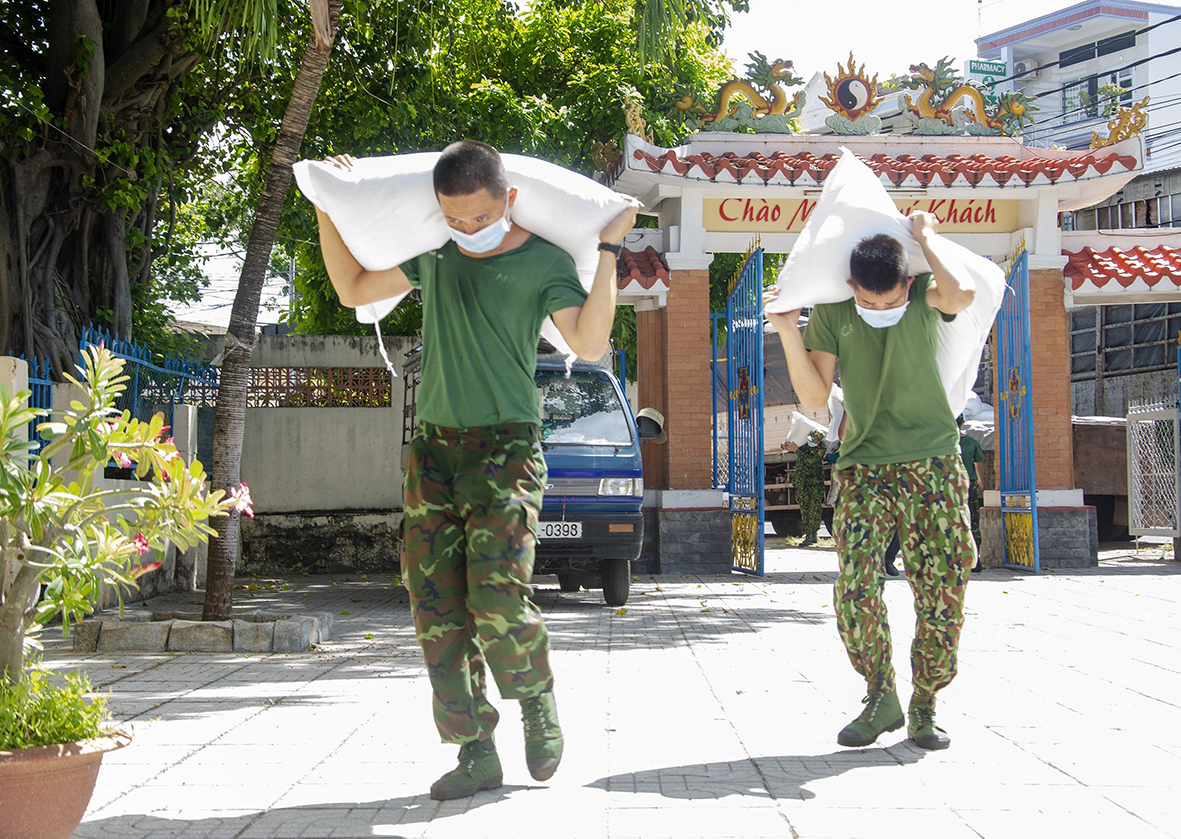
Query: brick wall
(689, 449)
(1050, 344)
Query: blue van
(592, 526)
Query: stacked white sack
(386, 211)
(853, 205)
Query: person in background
(808, 480)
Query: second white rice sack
(387, 213)
(853, 205)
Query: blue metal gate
(1018, 483)
(744, 359)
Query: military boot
(883, 712)
(479, 768)
(543, 736)
(921, 727)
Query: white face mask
(881, 318)
(486, 238)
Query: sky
(886, 36)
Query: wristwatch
(610, 248)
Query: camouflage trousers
(810, 492)
(975, 502)
(472, 499)
(926, 503)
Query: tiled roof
(645, 267)
(905, 171)
(1091, 269)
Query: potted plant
(63, 540)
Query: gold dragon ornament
(938, 110)
(766, 109)
(1127, 122)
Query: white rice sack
(800, 428)
(854, 205)
(836, 409)
(386, 211)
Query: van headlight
(621, 486)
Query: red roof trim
(1024, 34)
(807, 169)
(1099, 268)
(645, 267)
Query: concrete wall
(325, 459)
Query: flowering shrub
(62, 538)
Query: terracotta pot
(44, 790)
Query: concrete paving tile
(812, 820)
(702, 820)
(1015, 824)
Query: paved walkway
(708, 708)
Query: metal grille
(319, 387)
(1018, 482)
(41, 386)
(1152, 471)
(572, 487)
(744, 362)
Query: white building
(1127, 248)
(1073, 60)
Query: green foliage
(65, 532)
(41, 711)
(550, 80)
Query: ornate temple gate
(1018, 484)
(744, 352)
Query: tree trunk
(19, 598)
(230, 419)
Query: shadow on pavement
(341, 820)
(783, 777)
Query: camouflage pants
(472, 499)
(975, 502)
(810, 492)
(925, 501)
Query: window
(1096, 96)
(1132, 339)
(582, 409)
(1107, 46)
(1076, 55)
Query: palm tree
(230, 418)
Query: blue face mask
(881, 318)
(486, 238)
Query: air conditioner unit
(1028, 68)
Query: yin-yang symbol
(852, 94)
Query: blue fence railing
(158, 388)
(42, 387)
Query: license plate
(559, 530)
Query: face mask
(486, 238)
(881, 318)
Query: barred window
(1117, 340)
(319, 387)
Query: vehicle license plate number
(559, 530)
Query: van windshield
(584, 408)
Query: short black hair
(467, 167)
(878, 264)
(959, 420)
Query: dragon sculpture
(938, 109)
(766, 109)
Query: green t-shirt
(971, 453)
(481, 319)
(894, 397)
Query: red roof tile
(1098, 268)
(645, 267)
(806, 169)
